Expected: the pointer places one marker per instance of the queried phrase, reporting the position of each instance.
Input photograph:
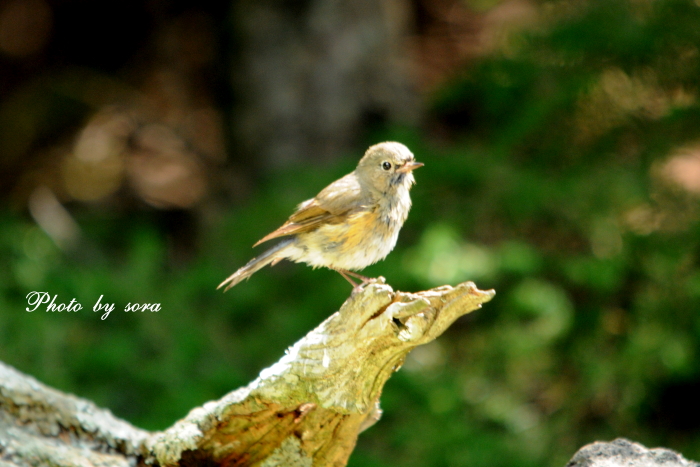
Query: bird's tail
(256, 263)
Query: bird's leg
(358, 276)
(355, 287)
(343, 272)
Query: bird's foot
(367, 280)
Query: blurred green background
(146, 145)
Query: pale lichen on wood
(326, 388)
(42, 426)
(307, 409)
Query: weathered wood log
(307, 409)
(42, 426)
(625, 453)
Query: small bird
(350, 224)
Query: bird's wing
(330, 206)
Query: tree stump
(305, 410)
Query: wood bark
(305, 410)
(622, 452)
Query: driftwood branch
(307, 409)
(310, 406)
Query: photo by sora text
(39, 300)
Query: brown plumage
(350, 224)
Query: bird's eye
(386, 165)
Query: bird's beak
(409, 166)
